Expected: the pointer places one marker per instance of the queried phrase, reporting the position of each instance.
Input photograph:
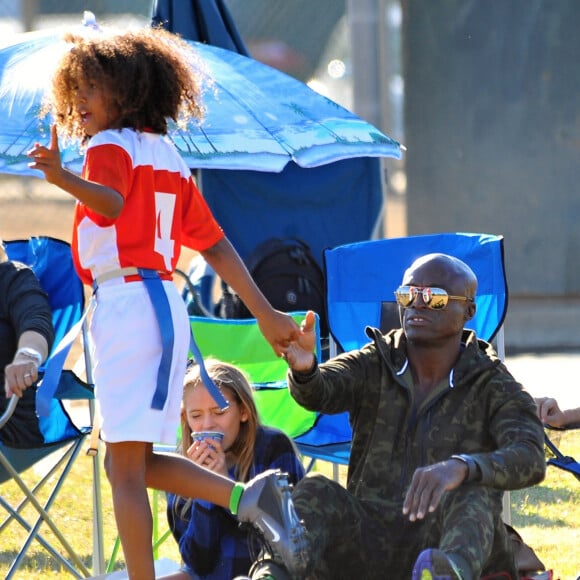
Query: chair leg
(67, 459)
(14, 515)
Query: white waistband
(118, 273)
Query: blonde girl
(211, 543)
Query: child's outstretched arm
(278, 328)
(99, 198)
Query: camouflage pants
(350, 539)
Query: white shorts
(127, 350)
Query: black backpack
(286, 272)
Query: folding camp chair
(362, 278)
(51, 260)
(360, 283)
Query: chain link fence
(24, 15)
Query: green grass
(72, 512)
(547, 517)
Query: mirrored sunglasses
(433, 298)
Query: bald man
(440, 430)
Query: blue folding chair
(362, 278)
(51, 260)
(360, 282)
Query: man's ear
(470, 310)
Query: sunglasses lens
(433, 298)
(437, 298)
(405, 296)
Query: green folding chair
(241, 343)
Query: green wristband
(235, 497)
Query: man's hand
(299, 354)
(429, 484)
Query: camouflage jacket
(483, 412)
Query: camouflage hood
(478, 356)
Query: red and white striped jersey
(163, 208)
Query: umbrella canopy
(257, 117)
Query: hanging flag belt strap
(211, 387)
(160, 303)
(154, 286)
(54, 365)
(159, 300)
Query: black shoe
(267, 503)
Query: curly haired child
(137, 204)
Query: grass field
(547, 516)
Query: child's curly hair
(150, 75)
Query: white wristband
(30, 353)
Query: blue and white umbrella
(257, 118)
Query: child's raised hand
(47, 159)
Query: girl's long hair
(238, 390)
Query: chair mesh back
(51, 261)
(240, 342)
(362, 277)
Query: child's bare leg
(125, 466)
(177, 474)
(265, 502)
